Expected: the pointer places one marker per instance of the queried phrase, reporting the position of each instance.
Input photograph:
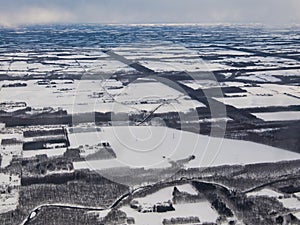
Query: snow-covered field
(253, 101)
(297, 215)
(262, 95)
(278, 73)
(74, 97)
(187, 188)
(258, 91)
(163, 195)
(153, 147)
(283, 89)
(100, 96)
(289, 202)
(48, 152)
(200, 84)
(72, 62)
(9, 151)
(168, 57)
(147, 94)
(265, 192)
(202, 209)
(9, 201)
(9, 180)
(279, 116)
(156, 56)
(232, 84)
(215, 120)
(182, 65)
(257, 62)
(297, 194)
(259, 78)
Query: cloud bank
(21, 12)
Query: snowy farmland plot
(164, 57)
(263, 95)
(99, 96)
(288, 201)
(259, 78)
(150, 94)
(278, 116)
(154, 147)
(9, 200)
(254, 101)
(70, 61)
(273, 75)
(201, 210)
(11, 146)
(200, 84)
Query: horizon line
(152, 24)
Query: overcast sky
(16, 12)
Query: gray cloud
(16, 12)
